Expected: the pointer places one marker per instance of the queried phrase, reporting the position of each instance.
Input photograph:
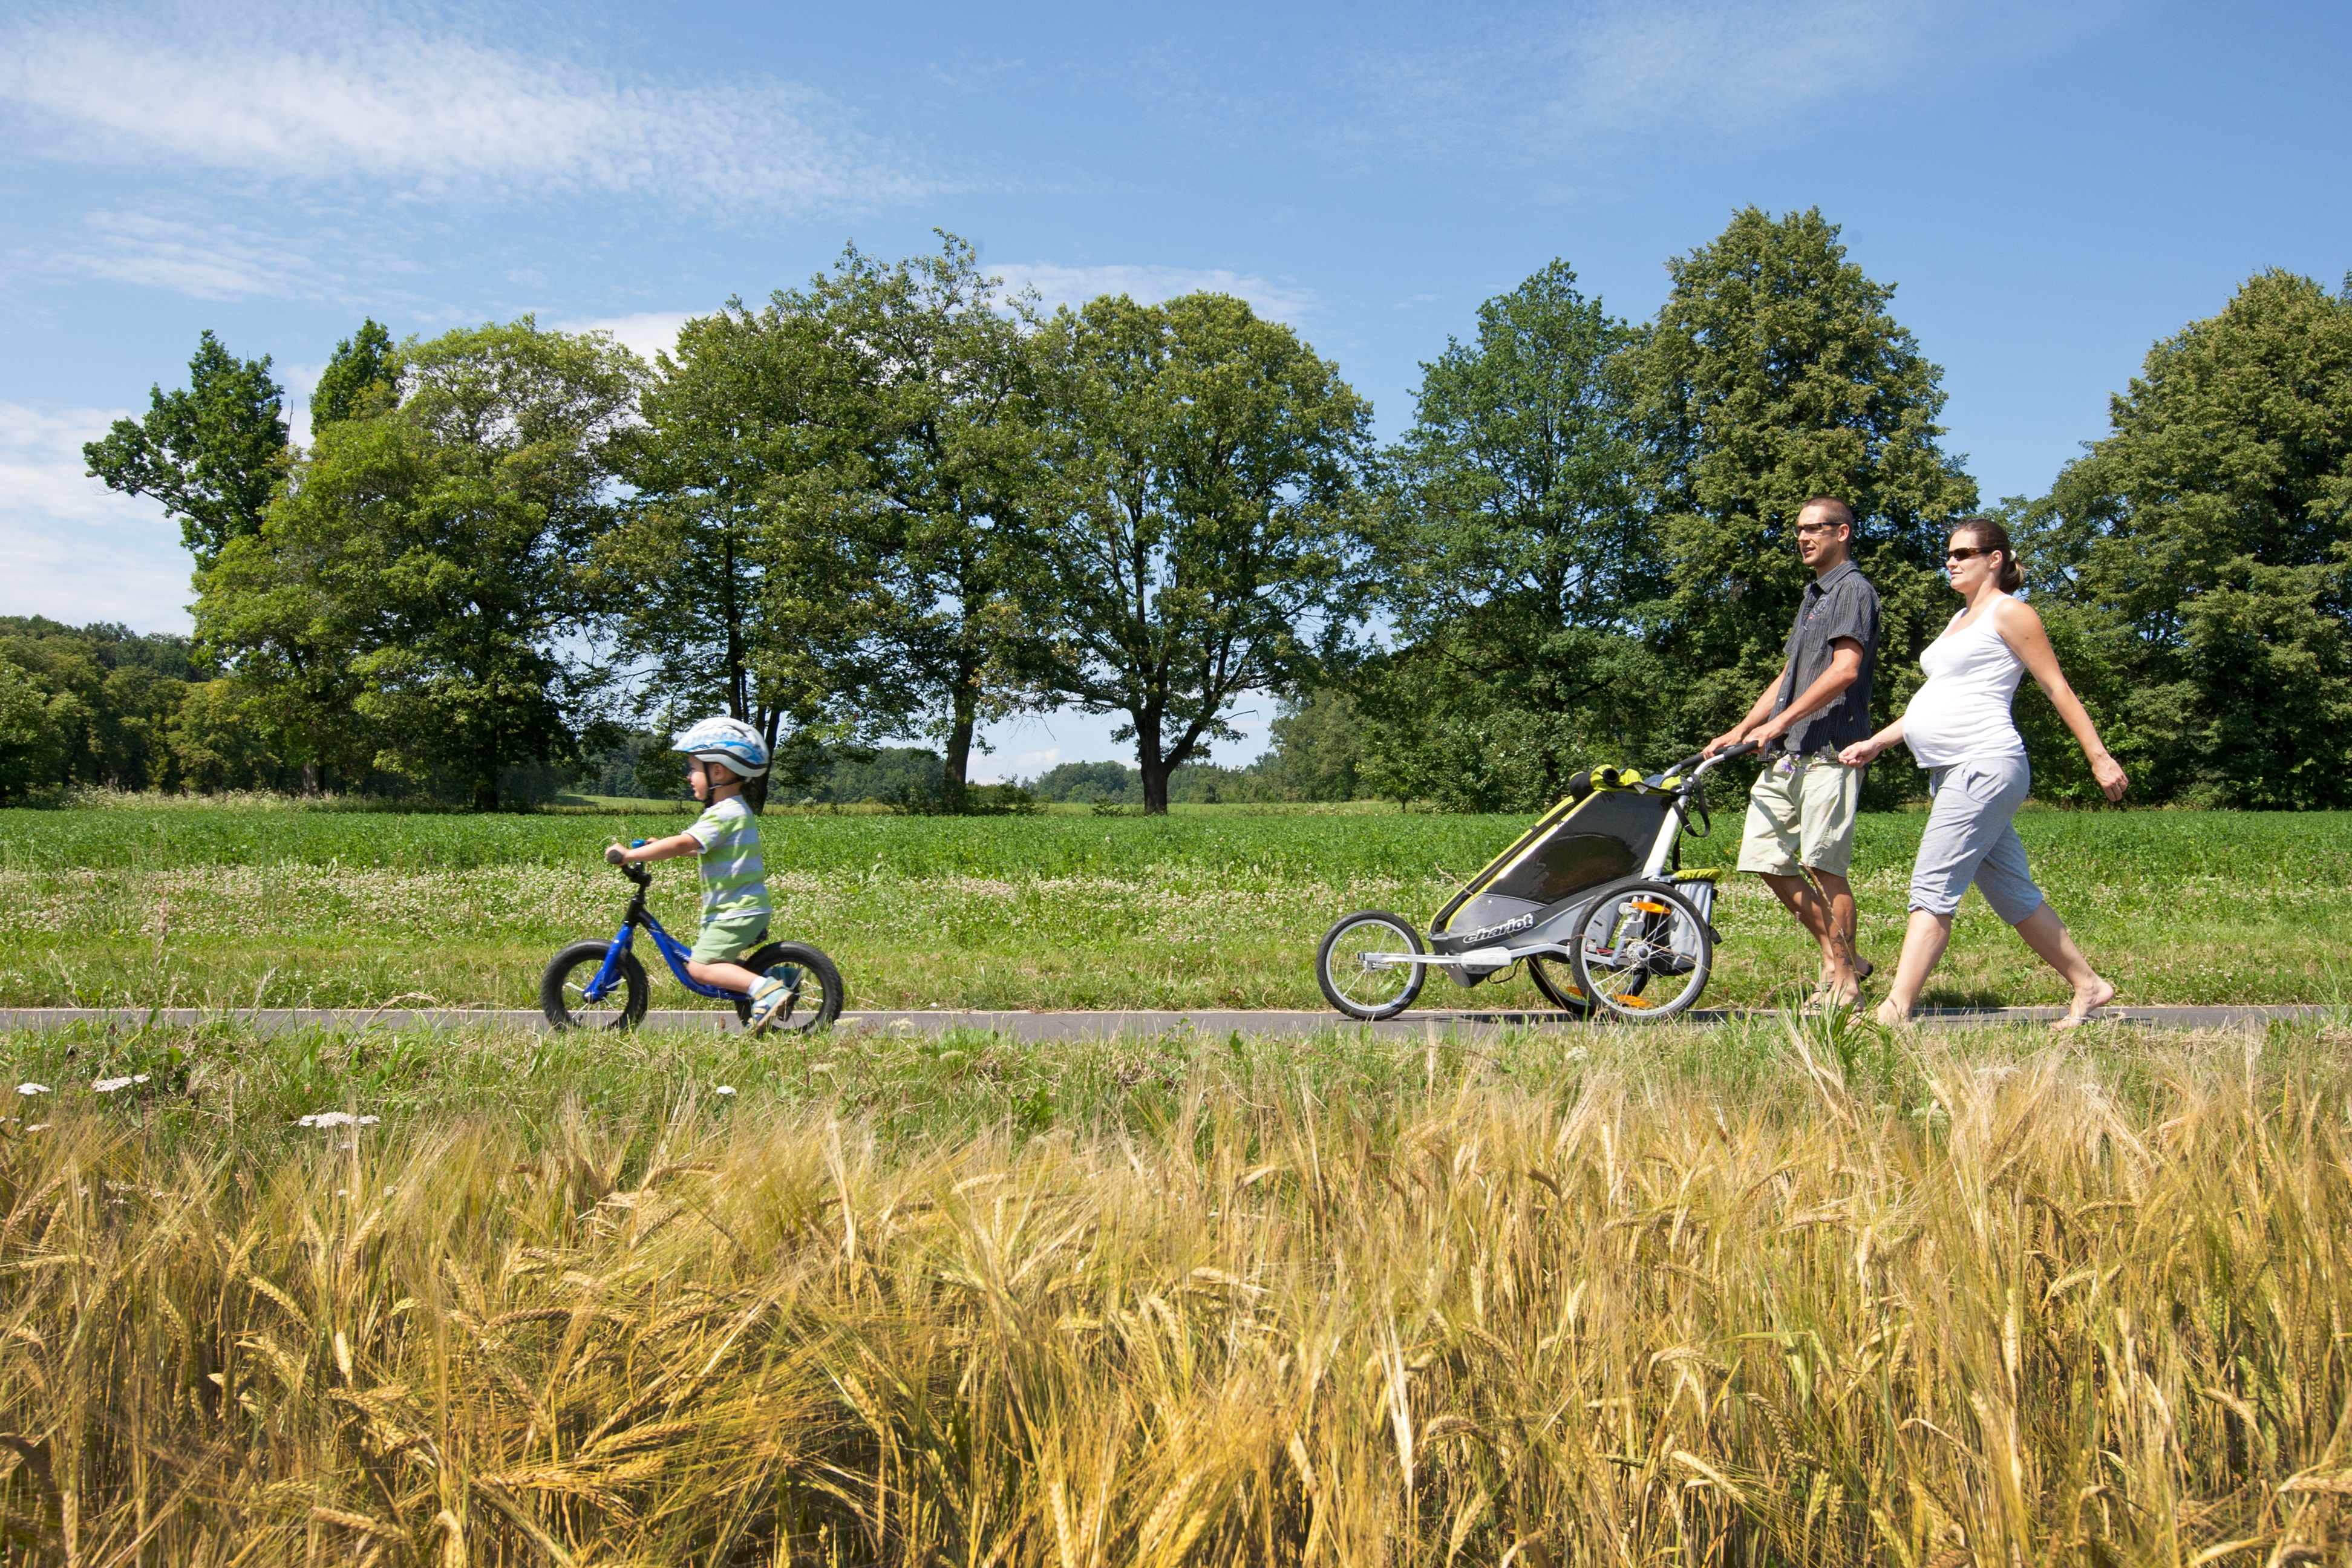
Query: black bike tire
(1682, 1003)
(1561, 993)
(811, 960)
(1331, 991)
(633, 982)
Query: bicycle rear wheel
(818, 995)
(563, 990)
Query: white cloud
(1148, 285)
(1574, 84)
(387, 102)
(209, 261)
(646, 333)
(76, 551)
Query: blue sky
(2051, 185)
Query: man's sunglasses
(1965, 552)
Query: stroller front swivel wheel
(1645, 951)
(1358, 965)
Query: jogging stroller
(1591, 898)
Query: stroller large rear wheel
(1555, 977)
(1645, 951)
(1355, 966)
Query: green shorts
(724, 942)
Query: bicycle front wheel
(563, 990)
(1644, 951)
(817, 995)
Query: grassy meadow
(1220, 907)
(1734, 1296)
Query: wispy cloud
(1057, 285)
(208, 261)
(384, 100)
(77, 551)
(1581, 83)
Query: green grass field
(1218, 907)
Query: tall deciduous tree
(734, 425)
(1213, 461)
(916, 516)
(214, 454)
(1516, 559)
(1775, 373)
(2212, 529)
(364, 366)
(420, 580)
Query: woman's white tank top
(1963, 711)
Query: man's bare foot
(1891, 1016)
(2088, 1000)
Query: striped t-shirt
(734, 878)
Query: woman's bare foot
(2088, 1000)
(1891, 1016)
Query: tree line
(902, 502)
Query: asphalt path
(1077, 1025)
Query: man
(1801, 814)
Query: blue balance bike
(601, 985)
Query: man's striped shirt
(734, 878)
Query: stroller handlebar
(1691, 767)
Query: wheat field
(1543, 1300)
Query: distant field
(1212, 907)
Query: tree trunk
(1151, 764)
(310, 779)
(959, 753)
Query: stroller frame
(1616, 834)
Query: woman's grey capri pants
(1972, 838)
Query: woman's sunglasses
(1965, 552)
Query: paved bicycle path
(1050, 1026)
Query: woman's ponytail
(1987, 534)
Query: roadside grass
(1567, 1296)
(1220, 908)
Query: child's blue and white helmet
(720, 739)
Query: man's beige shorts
(1800, 819)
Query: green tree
(419, 584)
(1214, 466)
(214, 455)
(2212, 530)
(911, 530)
(363, 370)
(719, 600)
(1775, 373)
(24, 715)
(1518, 557)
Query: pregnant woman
(1959, 729)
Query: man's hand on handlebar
(1728, 738)
(615, 856)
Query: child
(720, 754)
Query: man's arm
(1846, 668)
(1755, 715)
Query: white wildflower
(725, 1088)
(337, 1118)
(108, 1085)
(30, 1090)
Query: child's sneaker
(771, 999)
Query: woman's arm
(2020, 628)
(1862, 752)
